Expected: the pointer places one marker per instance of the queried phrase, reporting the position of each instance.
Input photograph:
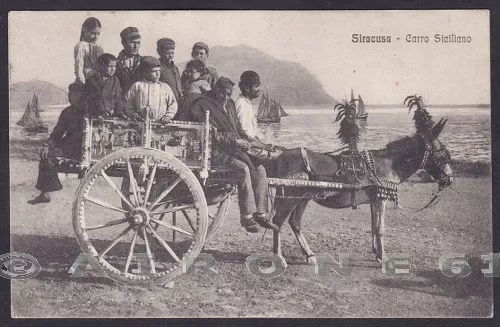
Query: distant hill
(48, 94)
(288, 82)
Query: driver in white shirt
(250, 87)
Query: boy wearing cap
(169, 71)
(200, 52)
(129, 58)
(65, 141)
(104, 93)
(151, 95)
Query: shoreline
(28, 149)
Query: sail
(36, 107)
(25, 116)
(361, 106)
(31, 117)
(282, 111)
(275, 110)
(352, 96)
(263, 106)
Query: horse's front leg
(284, 208)
(295, 220)
(378, 227)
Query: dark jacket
(226, 123)
(104, 96)
(170, 74)
(127, 75)
(68, 133)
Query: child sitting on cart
(194, 85)
(65, 141)
(150, 96)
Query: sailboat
(31, 120)
(270, 111)
(361, 113)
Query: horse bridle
(440, 157)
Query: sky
(41, 47)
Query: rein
(435, 200)
(442, 159)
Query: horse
(394, 163)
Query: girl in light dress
(87, 50)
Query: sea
(467, 134)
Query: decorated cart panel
(183, 140)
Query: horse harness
(359, 170)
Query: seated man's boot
(250, 225)
(42, 198)
(264, 220)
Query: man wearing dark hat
(250, 87)
(129, 58)
(229, 151)
(66, 141)
(200, 51)
(169, 72)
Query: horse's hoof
(312, 260)
(379, 259)
(283, 262)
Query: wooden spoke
(175, 200)
(161, 218)
(165, 192)
(108, 224)
(133, 182)
(105, 204)
(174, 222)
(115, 188)
(116, 240)
(164, 224)
(150, 183)
(172, 209)
(165, 245)
(131, 251)
(188, 219)
(148, 250)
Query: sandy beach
(460, 223)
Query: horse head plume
(348, 132)
(422, 118)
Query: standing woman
(87, 51)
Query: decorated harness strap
(386, 190)
(370, 163)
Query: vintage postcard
(297, 164)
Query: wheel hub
(140, 217)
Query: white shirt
(86, 54)
(158, 96)
(246, 117)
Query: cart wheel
(217, 213)
(124, 231)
